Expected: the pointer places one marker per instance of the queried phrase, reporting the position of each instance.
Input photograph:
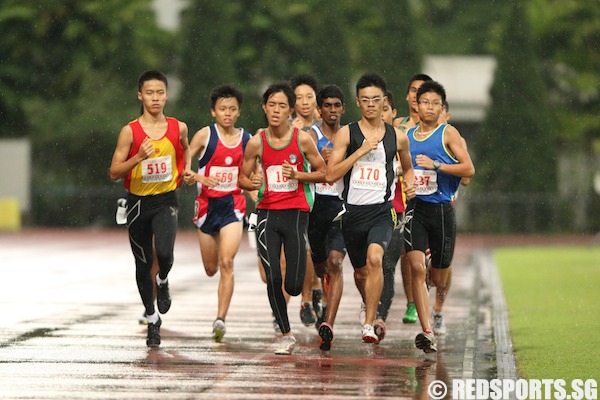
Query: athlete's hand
(326, 152)
(289, 170)
(409, 191)
(146, 149)
(256, 180)
(189, 177)
(369, 145)
(424, 162)
(209, 181)
(297, 123)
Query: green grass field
(553, 300)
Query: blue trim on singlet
(213, 139)
(433, 147)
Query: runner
(151, 154)
(324, 232)
(285, 198)
(362, 160)
(440, 160)
(220, 206)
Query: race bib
(279, 183)
(327, 189)
(368, 175)
(158, 169)
(227, 176)
(425, 181)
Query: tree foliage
(568, 34)
(69, 70)
(335, 41)
(517, 142)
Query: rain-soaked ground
(69, 330)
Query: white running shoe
(438, 328)
(368, 334)
(218, 330)
(287, 346)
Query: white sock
(161, 281)
(152, 319)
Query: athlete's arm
(197, 146)
(121, 165)
(183, 139)
(249, 179)
(453, 141)
(403, 147)
(309, 148)
(464, 181)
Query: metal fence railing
(476, 212)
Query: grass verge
(553, 300)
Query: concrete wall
(15, 181)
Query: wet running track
(69, 330)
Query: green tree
(335, 41)
(569, 37)
(516, 148)
(69, 78)
(458, 26)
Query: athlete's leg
(209, 251)
(294, 236)
(164, 226)
(140, 239)
(444, 279)
(269, 244)
(390, 260)
(416, 259)
(373, 280)
(336, 284)
(230, 238)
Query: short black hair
(304, 79)
(329, 91)
(371, 79)
(280, 86)
(417, 77)
(225, 91)
(150, 75)
(432, 86)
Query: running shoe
(368, 334)
(143, 319)
(163, 298)
(426, 342)
(326, 334)
(287, 345)
(410, 316)
(322, 318)
(307, 314)
(439, 328)
(317, 295)
(379, 329)
(218, 330)
(153, 339)
(362, 315)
